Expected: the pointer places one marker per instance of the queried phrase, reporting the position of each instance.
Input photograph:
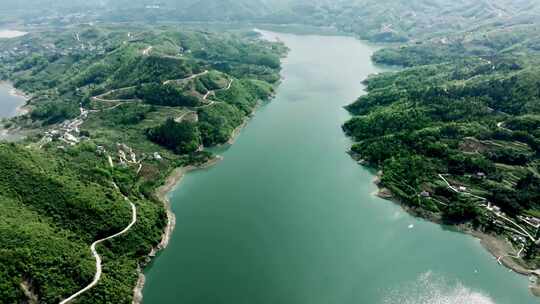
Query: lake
(289, 218)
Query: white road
(99, 269)
(205, 97)
(527, 234)
(187, 78)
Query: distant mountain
(226, 9)
(50, 4)
(390, 20)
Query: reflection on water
(11, 34)
(429, 288)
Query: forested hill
(456, 134)
(53, 207)
(114, 110)
(383, 21)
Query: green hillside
(455, 133)
(112, 106)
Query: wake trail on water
(431, 289)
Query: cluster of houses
(532, 222)
(126, 156)
(67, 132)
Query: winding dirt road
(187, 78)
(99, 269)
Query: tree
(462, 211)
(182, 138)
(166, 95)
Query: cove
(288, 217)
(9, 102)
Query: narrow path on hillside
(101, 98)
(66, 129)
(187, 78)
(205, 97)
(99, 269)
(523, 232)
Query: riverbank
(236, 132)
(14, 91)
(8, 130)
(266, 227)
(18, 93)
(172, 181)
(500, 248)
(22, 109)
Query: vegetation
(218, 123)
(467, 106)
(148, 107)
(54, 205)
(464, 109)
(182, 138)
(165, 95)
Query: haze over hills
(392, 21)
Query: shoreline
(23, 109)
(236, 132)
(172, 181)
(14, 91)
(498, 247)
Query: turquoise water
(288, 218)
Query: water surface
(289, 218)
(9, 102)
(11, 33)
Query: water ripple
(429, 288)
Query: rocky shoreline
(499, 247)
